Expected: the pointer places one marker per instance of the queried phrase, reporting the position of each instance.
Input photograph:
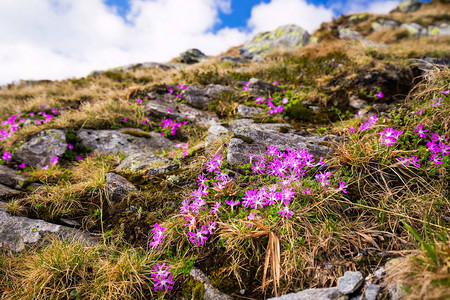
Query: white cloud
(268, 16)
(56, 39)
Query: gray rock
(249, 111)
(415, 29)
(314, 294)
(349, 33)
(383, 24)
(379, 273)
(146, 162)
(409, 5)
(355, 102)
(192, 56)
(38, 151)
(216, 133)
(11, 178)
(16, 232)
(159, 105)
(195, 97)
(117, 187)
(149, 65)
(199, 117)
(238, 151)
(114, 141)
(3, 205)
(234, 59)
(262, 88)
(441, 30)
(269, 134)
(288, 36)
(372, 291)
(4, 190)
(350, 282)
(382, 107)
(215, 90)
(198, 275)
(211, 293)
(314, 108)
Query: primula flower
(79, 157)
(169, 111)
(215, 208)
(437, 103)
(199, 237)
(420, 131)
(164, 282)
(124, 119)
(45, 167)
(323, 179)
(437, 160)
(372, 121)
(419, 112)
(379, 94)
(285, 212)
(160, 270)
(158, 235)
(232, 203)
(54, 160)
(70, 146)
(211, 227)
(22, 166)
(7, 156)
(251, 216)
(307, 192)
(352, 129)
(259, 100)
(343, 186)
(446, 92)
(285, 100)
(389, 136)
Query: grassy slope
(330, 233)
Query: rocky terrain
(296, 166)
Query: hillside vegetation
(270, 176)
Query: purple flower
(372, 121)
(158, 235)
(260, 99)
(7, 156)
(232, 203)
(164, 282)
(285, 212)
(379, 94)
(420, 131)
(22, 166)
(446, 92)
(389, 136)
(211, 227)
(437, 160)
(124, 119)
(285, 100)
(199, 237)
(251, 216)
(343, 186)
(54, 160)
(323, 178)
(70, 146)
(437, 103)
(45, 167)
(215, 208)
(79, 157)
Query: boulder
(269, 134)
(350, 282)
(249, 111)
(38, 151)
(409, 5)
(17, 232)
(215, 90)
(314, 294)
(159, 105)
(355, 102)
(4, 190)
(415, 29)
(262, 88)
(216, 133)
(114, 141)
(192, 56)
(441, 30)
(382, 24)
(211, 293)
(238, 151)
(11, 178)
(288, 36)
(117, 187)
(233, 59)
(349, 33)
(146, 162)
(372, 292)
(199, 117)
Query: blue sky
(57, 39)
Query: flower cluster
(138, 101)
(158, 235)
(163, 278)
(180, 89)
(366, 125)
(389, 136)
